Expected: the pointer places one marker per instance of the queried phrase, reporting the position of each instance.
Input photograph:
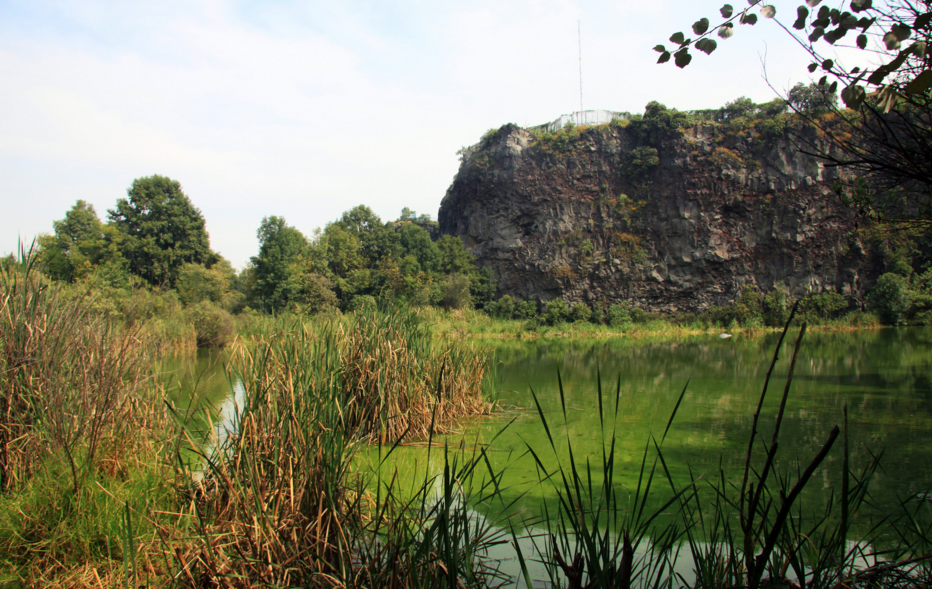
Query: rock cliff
(666, 217)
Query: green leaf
(701, 26)
(813, 3)
(816, 33)
(919, 49)
(813, 67)
(748, 19)
(664, 57)
(859, 5)
(678, 38)
(850, 21)
(877, 77)
(726, 31)
(922, 21)
(827, 65)
(853, 96)
(768, 11)
(862, 41)
(660, 49)
(865, 23)
(823, 80)
(802, 13)
(726, 10)
(855, 70)
(682, 58)
(921, 83)
(706, 45)
(833, 87)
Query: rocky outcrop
(667, 219)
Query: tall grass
(76, 433)
(279, 505)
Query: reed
(279, 504)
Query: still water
(883, 377)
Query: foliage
(162, 230)
(617, 316)
(658, 125)
(641, 161)
(822, 306)
(213, 326)
(525, 310)
(580, 313)
(482, 287)
(278, 269)
(776, 306)
(456, 292)
(503, 308)
(81, 245)
(890, 298)
(556, 312)
(883, 141)
(317, 294)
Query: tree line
(156, 239)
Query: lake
(882, 376)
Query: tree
(80, 245)
(279, 269)
(885, 141)
(415, 241)
(163, 230)
(454, 258)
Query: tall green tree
(278, 272)
(81, 244)
(163, 230)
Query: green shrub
(361, 302)
(618, 316)
(775, 307)
(525, 310)
(890, 298)
(456, 292)
(557, 312)
(212, 325)
(503, 308)
(318, 294)
(822, 307)
(580, 313)
(747, 307)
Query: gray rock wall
(717, 211)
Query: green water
(884, 377)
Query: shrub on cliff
(821, 307)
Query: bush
(557, 312)
(213, 326)
(775, 308)
(456, 292)
(318, 294)
(580, 313)
(890, 298)
(747, 307)
(361, 303)
(618, 316)
(525, 310)
(503, 308)
(822, 307)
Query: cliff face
(666, 219)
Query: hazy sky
(306, 109)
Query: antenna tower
(579, 34)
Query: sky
(307, 109)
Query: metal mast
(579, 34)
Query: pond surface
(883, 377)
